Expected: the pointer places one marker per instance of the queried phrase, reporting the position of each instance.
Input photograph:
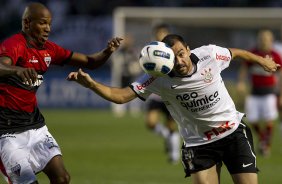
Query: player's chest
(202, 79)
(37, 59)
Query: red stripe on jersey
(17, 99)
(263, 81)
(2, 168)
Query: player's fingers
(119, 39)
(114, 42)
(27, 78)
(80, 72)
(32, 74)
(72, 76)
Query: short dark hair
(170, 39)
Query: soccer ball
(157, 59)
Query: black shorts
(236, 151)
(158, 105)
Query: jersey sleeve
(12, 49)
(60, 55)
(222, 56)
(143, 86)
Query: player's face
(40, 27)
(265, 41)
(183, 64)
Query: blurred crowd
(10, 17)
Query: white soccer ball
(157, 59)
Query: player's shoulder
(52, 46)
(204, 50)
(15, 39)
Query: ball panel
(157, 59)
(149, 66)
(165, 69)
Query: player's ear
(26, 23)
(188, 49)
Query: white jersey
(200, 102)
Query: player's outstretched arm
(28, 75)
(116, 95)
(267, 63)
(96, 59)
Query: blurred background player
(127, 56)
(261, 105)
(277, 46)
(156, 112)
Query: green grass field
(99, 148)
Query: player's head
(36, 23)
(183, 64)
(160, 31)
(265, 40)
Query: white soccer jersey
(200, 103)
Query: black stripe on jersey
(67, 60)
(230, 53)
(17, 82)
(143, 99)
(17, 121)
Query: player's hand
(269, 65)
(28, 75)
(114, 44)
(81, 77)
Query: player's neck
(191, 69)
(31, 41)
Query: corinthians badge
(207, 75)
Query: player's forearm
(109, 93)
(98, 59)
(248, 56)
(6, 70)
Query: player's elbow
(120, 101)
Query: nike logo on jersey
(174, 86)
(247, 165)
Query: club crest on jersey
(208, 77)
(16, 169)
(47, 59)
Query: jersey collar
(194, 60)
(30, 43)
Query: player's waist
(263, 90)
(223, 140)
(207, 132)
(15, 121)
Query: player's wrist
(108, 51)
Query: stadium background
(98, 147)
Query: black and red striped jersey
(262, 81)
(18, 104)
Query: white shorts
(261, 108)
(27, 153)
